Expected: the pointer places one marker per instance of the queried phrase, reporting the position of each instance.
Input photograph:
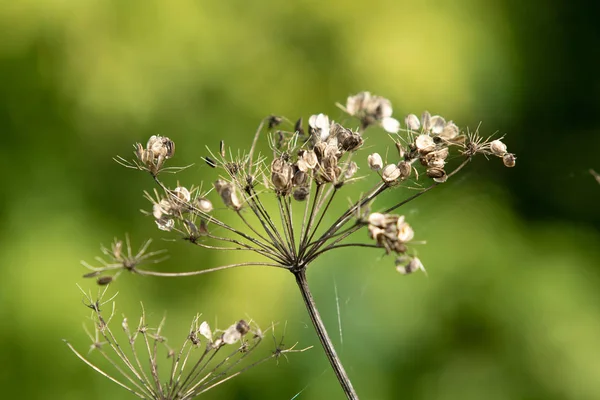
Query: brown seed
(300, 194)
(104, 280)
(509, 160)
(438, 174)
(242, 327)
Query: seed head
(375, 161)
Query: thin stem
(202, 271)
(315, 317)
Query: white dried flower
(426, 121)
(356, 103)
(228, 193)
(375, 161)
(351, 170)
(377, 219)
(320, 125)
(412, 122)
(498, 148)
(231, 335)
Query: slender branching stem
(330, 352)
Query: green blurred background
(511, 306)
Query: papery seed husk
(242, 327)
(405, 169)
(204, 205)
(412, 122)
(498, 148)
(437, 124)
(450, 131)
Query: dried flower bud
(182, 193)
(228, 193)
(351, 170)
(424, 143)
(438, 174)
(450, 131)
(390, 173)
(498, 148)
(161, 146)
(407, 267)
(104, 280)
(509, 160)
(204, 205)
(355, 104)
(437, 124)
(405, 169)
(412, 122)
(298, 127)
(301, 193)
(375, 162)
(330, 171)
(349, 141)
(319, 125)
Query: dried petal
(204, 205)
(437, 124)
(424, 143)
(182, 193)
(231, 335)
(409, 267)
(319, 125)
(450, 131)
(228, 193)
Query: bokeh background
(510, 308)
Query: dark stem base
(332, 356)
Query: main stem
(315, 317)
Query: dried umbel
(288, 207)
(204, 360)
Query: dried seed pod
(356, 104)
(405, 232)
(424, 143)
(409, 266)
(437, 124)
(391, 125)
(450, 131)
(301, 193)
(375, 161)
(165, 224)
(405, 169)
(210, 162)
(412, 122)
(300, 178)
(351, 170)
(281, 175)
(228, 194)
(390, 173)
(310, 157)
(319, 125)
(498, 148)
(104, 280)
(274, 121)
(509, 160)
(182, 193)
(302, 165)
(438, 174)
(351, 142)
(231, 335)
(204, 205)
(426, 121)
(205, 331)
(242, 327)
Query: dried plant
(303, 174)
(204, 361)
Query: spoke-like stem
(315, 317)
(203, 271)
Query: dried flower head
(200, 364)
(261, 193)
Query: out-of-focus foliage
(510, 308)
